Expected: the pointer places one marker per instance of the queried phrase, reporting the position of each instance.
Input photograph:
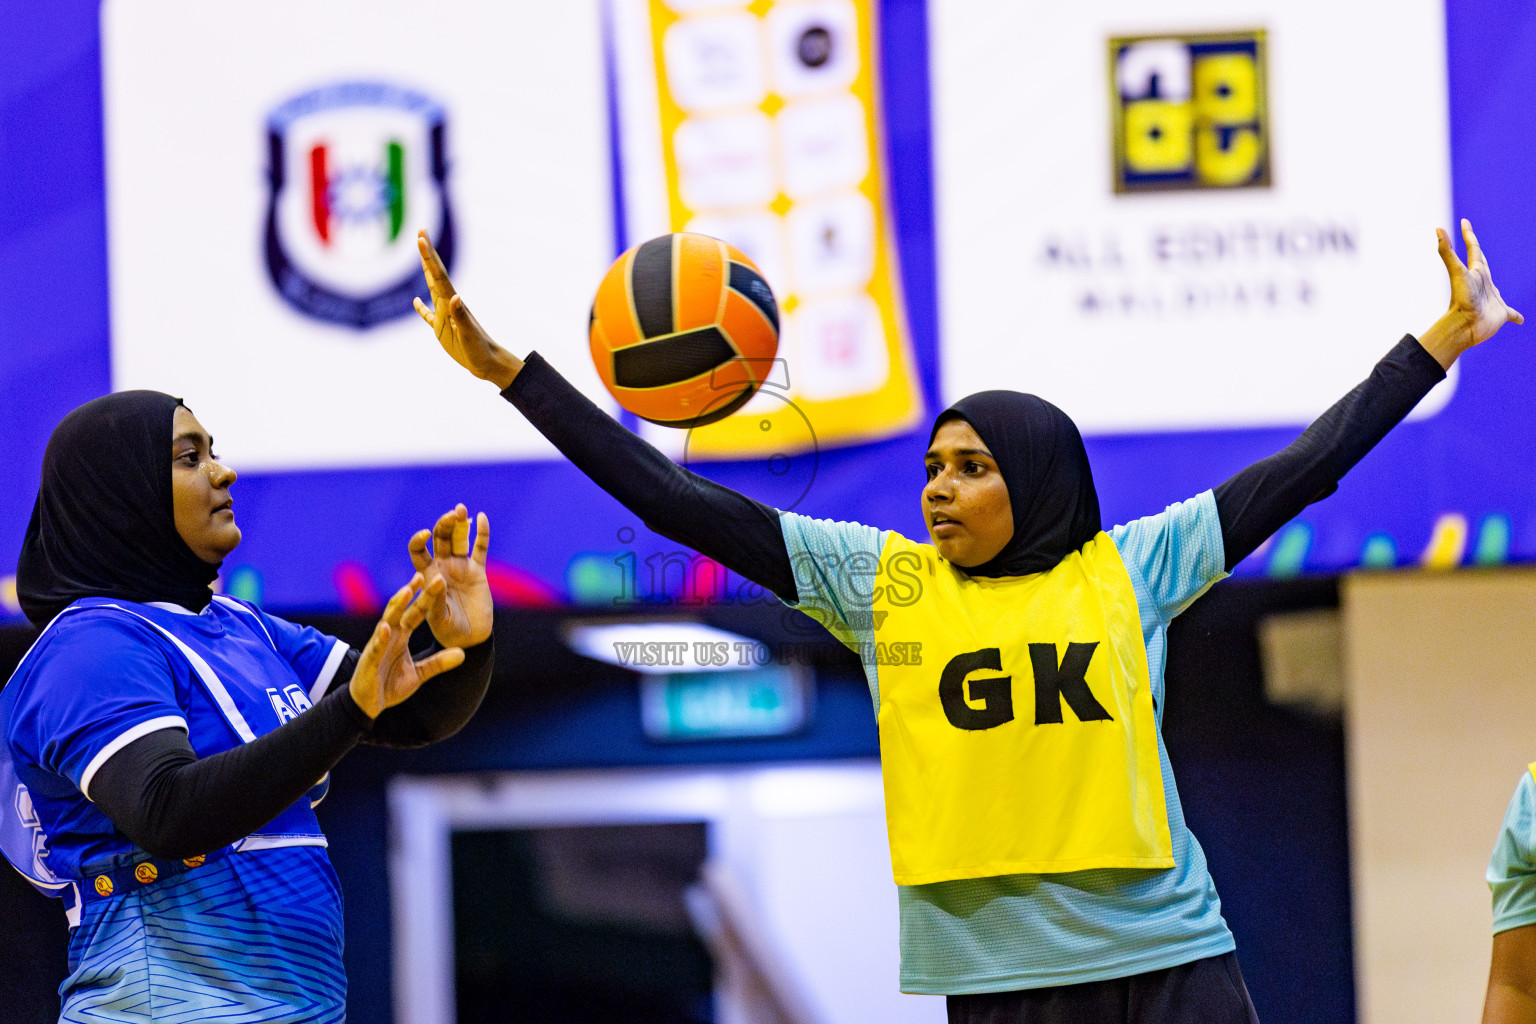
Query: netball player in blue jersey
(1044, 869)
(163, 746)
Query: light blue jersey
(1512, 869)
(252, 933)
(1013, 932)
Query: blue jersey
(104, 673)
(1010, 932)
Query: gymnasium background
(219, 200)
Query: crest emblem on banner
(355, 169)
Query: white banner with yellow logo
(1194, 215)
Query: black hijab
(103, 524)
(1043, 462)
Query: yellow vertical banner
(761, 124)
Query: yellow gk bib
(1025, 741)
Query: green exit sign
(770, 701)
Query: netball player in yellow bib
(1044, 870)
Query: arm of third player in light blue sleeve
(1512, 869)
(1511, 995)
(834, 564)
(1178, 553)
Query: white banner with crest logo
(268, 168)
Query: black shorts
(1209, 991)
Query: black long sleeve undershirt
(442, 707)
(1255, 502)
(738, 532)
(168, 801)
(744, 535)
(173, 804)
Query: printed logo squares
(716, 62)
(824, 146)
(815, 47)
(725, 161)
(1189, 112)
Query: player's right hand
(385, 673)
(464, 614)
(456, 328)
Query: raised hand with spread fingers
(462, 618)
(386, 674)
(1477, 310)
(456, 328)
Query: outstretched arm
(741, 534)
(1259, 500)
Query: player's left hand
(463, 617)
(1473, 294)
